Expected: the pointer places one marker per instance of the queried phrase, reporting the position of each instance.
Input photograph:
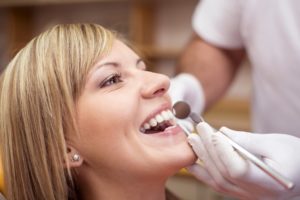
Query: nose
(154, 85)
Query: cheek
(101, 136)
(103, 125)
(100, 124)
(185, 156)
(105, 113)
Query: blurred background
(159, 28)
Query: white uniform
(269, 30)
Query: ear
(73, 158)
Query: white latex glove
(185, 87)
(226, 171)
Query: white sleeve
(218, 22)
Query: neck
(120, 186)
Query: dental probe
(182, 110)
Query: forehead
(119, 53)
(120, 50)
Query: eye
(111, 80)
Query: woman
(82, 118)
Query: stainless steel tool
(182, 110)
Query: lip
(174, 130)
(165, 106)
(171, 136)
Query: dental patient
(82, 118)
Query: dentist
(225, 33)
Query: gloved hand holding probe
(228, 172)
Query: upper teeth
(165, 115)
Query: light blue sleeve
(218, 22)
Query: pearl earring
(75, 158)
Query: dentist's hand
(229, 173)
(185, 87)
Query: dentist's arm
(214, 67)
(206, 73)
(231, 174)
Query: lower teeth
(159, 128)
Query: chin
(186, 157)
(180, 158)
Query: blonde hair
(39, 89)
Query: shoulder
(219, 22)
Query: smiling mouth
(159, 123)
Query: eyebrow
(115, 64)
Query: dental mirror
(182, 110)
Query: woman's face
(119, 101)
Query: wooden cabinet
(160, 28)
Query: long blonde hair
(39, 89)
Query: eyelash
(116, 78)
